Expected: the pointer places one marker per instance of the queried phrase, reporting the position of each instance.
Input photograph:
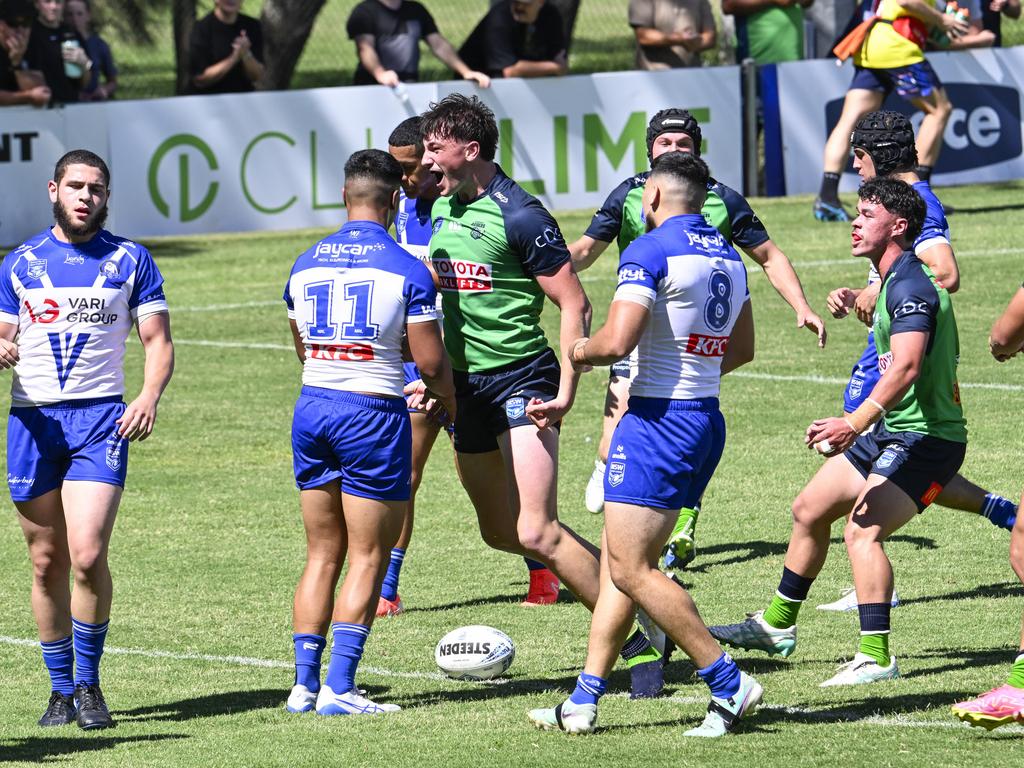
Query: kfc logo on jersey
(706, 346)
(341, 352)
(461, 275)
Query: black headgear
(673, 120)
(889, 138)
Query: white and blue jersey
(695, 285)
(351, 296)
(935, 231)
(670, 440)
(74, 305)
(413, 226)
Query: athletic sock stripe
(89, 629)
(787, 598)
(58, 645)
(876, 632)
(990, 503)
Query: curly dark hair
(899, 198)
(463, 118)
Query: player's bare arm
(565, 291)
(586, 251)
(1007, 336)
(908, 350)
(942, 262)
(136, 423)
(427, 349)
(841, 300)
(300, 347)
(780, 273)
(740, 349)
(8, 348)
(617, 337)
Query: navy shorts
(664, 452)
(919, 465)
(73, 440)
(908, 82)
(364, 440)
(863, 377)
(492, 402)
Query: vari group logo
(984, 128)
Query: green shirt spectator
(768, 31)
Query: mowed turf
(209, 546)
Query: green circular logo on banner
(187, 211)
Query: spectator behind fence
(671, 33)
(225, 51)
(975, 37)
(768, 31)
(992, 13)
(518, 38)
(18, 85)
(78, 14)
(387, 34)
(58, 51)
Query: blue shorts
(919, 465)
(863, 377)
(73, 440)
(364, 440)
(908, 82)
(664, 452)
(492, 402)
(410, 373)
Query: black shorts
(918, 464)
(492, 402)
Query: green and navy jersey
(486, 254)
(622, 218)
(911, 300)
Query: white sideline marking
(240, 661)
(805, 378)
(834, 716)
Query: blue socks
(89, 639)
(308, 651)
(389, 590)
(533, 565)
(722, 677)
(1000, 511)
(589, 688)
(349, 641)
(59, 658)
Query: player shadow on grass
(1004, 589)
(177, 248)
(39, 749)
(564, 597)
(211, 705)
(961, 659)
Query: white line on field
(221, 307)
(808, 379)
(834, 716)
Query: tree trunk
(286, 28)
(568, 9)
(183, 15)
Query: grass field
(209, 546)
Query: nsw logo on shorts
(616, 473)
(886, 459)
(114, 445)
(515, 407)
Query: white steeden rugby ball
(474, 653)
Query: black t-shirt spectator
(211, 42)
(500, 41)
(102, 62)
(8, 79)
(44, 53)
(396, 37)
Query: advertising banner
(198, 164)
(982, 141)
